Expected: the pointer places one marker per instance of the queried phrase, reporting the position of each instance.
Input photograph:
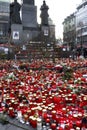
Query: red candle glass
(44, 114)
(54, 115)
(11, 112)
(53, 126)
(47, 120)
(34, 122)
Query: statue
(29, 2)
(15, 13)
(44, 13)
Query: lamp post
(81, 42)
(9, 47)
(53, 45)
(46, 37)
(81, 37)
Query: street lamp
(46, 37)
(81, 42)
(81, 37)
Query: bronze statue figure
(44, 13)
(15, 13)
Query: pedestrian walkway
(15, 125)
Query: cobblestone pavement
(13, 127)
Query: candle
(54, 115)
(33, 122)
(44, 114)
(39, 124)
(53, 126)
(11, 112)
(26, 118)
(47, 120)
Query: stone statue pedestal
(17, 33)
(29, 16)
(45, 30)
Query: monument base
(17, 33)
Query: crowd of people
(54, 93)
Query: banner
(16, 35)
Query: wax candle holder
(30, 105)
(11, 112)
(49, 110)
(33, 110)
(40, 111)
(53, 126)
(15, 105)
(29, 112)
(39, 124)
(34, 122)
(54, 115)
(44, 114)
(77, 128)
(8, 100)
(26, 118)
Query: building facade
(4, 20)
(75, 29)
(81, 25)
(69, 31)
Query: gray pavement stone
(12, 127)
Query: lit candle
(53, 126)
(11, 112)
(39, 124)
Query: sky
(58, 11)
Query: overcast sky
(58, 11)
